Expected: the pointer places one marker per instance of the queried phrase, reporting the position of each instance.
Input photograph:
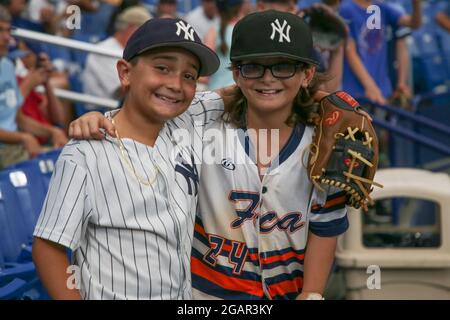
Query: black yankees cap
(168, 32)
(272, 34)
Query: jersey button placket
(261, 251)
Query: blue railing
(410, 131)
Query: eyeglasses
(278, 70)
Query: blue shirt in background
(10, 96)
(371, 45)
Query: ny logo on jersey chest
(189, 172)
(282, 30)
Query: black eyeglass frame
(270, 67)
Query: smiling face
(161, 85)
(269, 94)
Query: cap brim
(209, 62)
(274, 55)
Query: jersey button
(264, 189)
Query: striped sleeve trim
(285, 286)
(331, 228)
(333, 202)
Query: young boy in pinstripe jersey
(125, 205)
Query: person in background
(247, 7)
(166, 9)
(100, 75)
(125, 4)
(17, 131)
(278, 5)
(366, 55)
(43, 12)
(329, 35)
(218, 39)
(41, 104)
(398, 52)
(203, 17)
(44, 16)
(17, 9)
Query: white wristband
(314, 296)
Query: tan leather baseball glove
(344, 152)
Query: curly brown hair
(304, 107)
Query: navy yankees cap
(272, 34)
(168, 32)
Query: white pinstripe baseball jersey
(130, 240)
(250, 234)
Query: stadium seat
(25, 271)
(435, 109)
(19, 280)
(52, 155)
(18, 277)
(10, 265)
(13, 233)
(37, 165)
(22, 192)
(27, 185)
(13, 290)
(46, 162)
(432, 70)
(40, 168)
(425, 42)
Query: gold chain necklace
(130, 167)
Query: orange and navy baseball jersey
(250, 233)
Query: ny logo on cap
(283, 34)
(187, 29)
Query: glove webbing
(357, 179)
(355, 197)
